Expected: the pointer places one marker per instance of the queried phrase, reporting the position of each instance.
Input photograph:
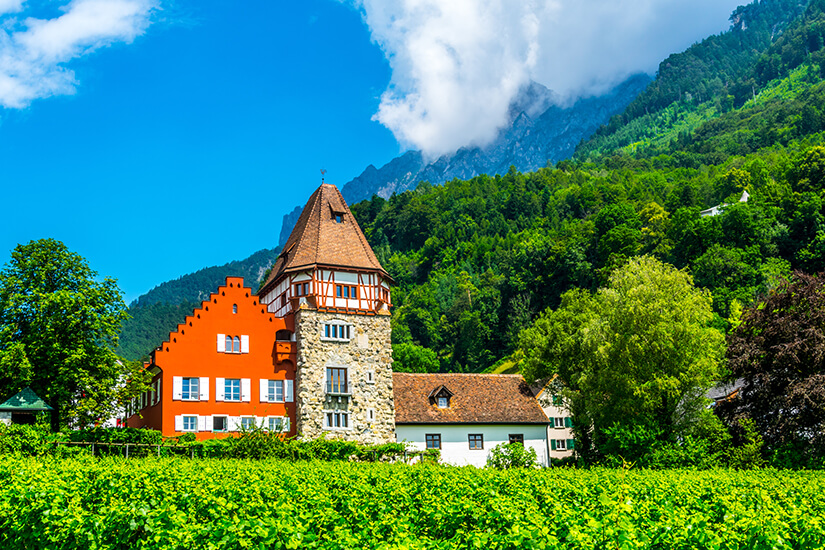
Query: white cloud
(9, 6)
(33, 52)
(457, 64)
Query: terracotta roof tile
(476, 398)
(318, 239)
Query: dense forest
(476, 261)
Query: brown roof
(319, 240)
(477, 398)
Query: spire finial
(323, 172)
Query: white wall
(455, 445)
(566, 434)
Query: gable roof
(319, 240)
(25, 401)
(476, 399)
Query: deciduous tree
(58, 330)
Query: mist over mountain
(539, 132)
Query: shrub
(27, 440)
(512, 455)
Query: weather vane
(322, 174)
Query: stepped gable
(475, 399)
(320, 240)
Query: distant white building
(466, 415)
(719, 208)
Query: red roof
(326, 235)
(476, 399)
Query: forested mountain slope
(477, 260)
(159, 311)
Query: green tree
(413, 358)
(638, 351)
(58, 330)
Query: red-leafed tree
(779, 352)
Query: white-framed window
(275, 391)
(559, 445)
(336, 420)
(230, 343)
(370, 377)
(558, 422)
(247, 422)
(190, 423)
(336, 330)
(190, 389)
(220, 423)
(279, 424)
(370, 415)
(443, 402)
(232, 389)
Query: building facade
(466, 415)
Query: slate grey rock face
(539, 133)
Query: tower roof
(326, 235)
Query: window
(337, 380)
(337, 419)
(561, 444)
(236, 345)
(276, 424)
(219, 423)
(247, 422)
(275, 391)
(370, 415)
(232, 389)
(283, 299)
(190, 423)
(190, 389)
(443, 402)
(337, 331)
(353, 292)
(517, 438)
(558, 422)
(370, 377)
(228, 347)
(433, 441)
(234, 308)
(339, 218)
(476, 441)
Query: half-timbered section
(229, 366)
(328, 280)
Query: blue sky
(156, 138)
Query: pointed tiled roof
(26, 400)
(319, 239)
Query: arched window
(236, 345)
(283, 335)
(229, 344)
(234, 308)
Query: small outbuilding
(23, 408)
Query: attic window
(443, 402)
(339, 218)
(440, 397)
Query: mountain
(155, 314)
(539, 132)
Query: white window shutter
(179, 423)
(203, 385)
(260, 421)
(264, 391)
(234, 423)
(246, 389)
(288, 391)
(177, 387)
(202, 423)
(286, 424)
(220, 388)
(221, 343)
(244, 343)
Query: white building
(560, 423)
(466, 415)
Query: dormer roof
(326, 235)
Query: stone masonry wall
(368, 350)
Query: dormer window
(440, 397)
(339, 218)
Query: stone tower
(329, 281)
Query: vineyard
(180, 503)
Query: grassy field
(180, 503)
